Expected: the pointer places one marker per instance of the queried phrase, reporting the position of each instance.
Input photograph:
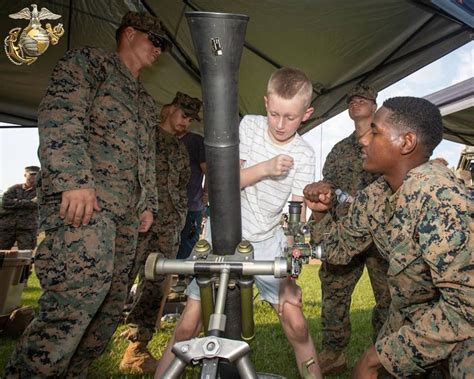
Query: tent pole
(185, 62)
(436, 11)
(69, 23)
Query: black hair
(419, 116)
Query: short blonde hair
(289, 82)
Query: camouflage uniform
(19, 218)
(96, 126)
(172, 166)
(343, 169)
(424, 231)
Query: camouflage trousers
(459, 365)
(84, 275)
(338, 283)
(163, 239)
(11, 232)
(461, 360)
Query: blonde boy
(276, 163)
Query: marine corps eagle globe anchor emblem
(26, 46)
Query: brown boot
(332, 362)
(17, 322)
(138, 360)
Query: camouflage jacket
(20, 203)
(96, 126)
(424, 231)
(343, 170)
(172, 167)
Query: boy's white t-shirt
(263, 202)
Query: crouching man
(418, 215)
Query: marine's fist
(318, 196)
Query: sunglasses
(158, 41)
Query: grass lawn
(271, 352)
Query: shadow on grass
(271, 352)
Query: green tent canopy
(337, 43)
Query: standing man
(19, 216)
(172, 166)
(96, 191)
(197, 196)
(418, 215)
(343, 170)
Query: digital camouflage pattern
(343, 170)
(32, 169)
(191, 106)
(172, 164)
(424, 231)
(142, 21)
(19, 218)
(149, 24)
(364, 91)
(96, 126)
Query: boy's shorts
(268, 286)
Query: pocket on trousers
(71, 258)
(50, 263)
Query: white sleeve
(244, 132)
(305, 171)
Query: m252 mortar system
(224, 272)
(299, 249)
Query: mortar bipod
(209, 349)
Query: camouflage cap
(142, 21)
(364, 91)
(190, 105)
(32, 169)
